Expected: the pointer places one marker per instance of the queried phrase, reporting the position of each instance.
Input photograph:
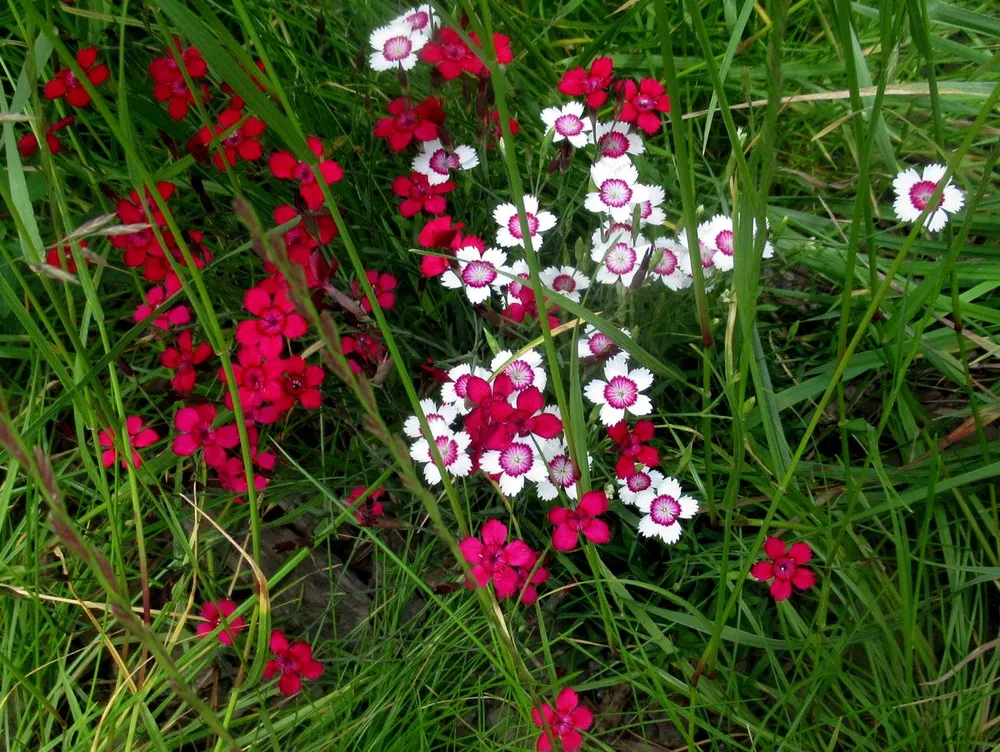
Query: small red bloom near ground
(383, 284)
(66, 84)
(218, 612)
(291, 380)
(631, 444)
(293, 662)
(183, 358)
(194, 432)
(169, 84)
(419, 195)
(286, 167)
(643, 103)
(176, 316)
(55, 256)
(785, 569)
(527, 577)
(492, 558)
(138, 437)
(368, 509)
(571, 522)
(28, 144)
(408, 122)
(451, 55)
(562, 722)
(439, 234)
(523, 419)
(243, 142)
(594, 85)
(276, 319)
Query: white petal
(689, 507)
(478, 295)
(937, 220)
(531, 204)
(953, 199)
(670, 534)
(431, 474)
(507, 240)
(648, 528)
(511, 486)
(490, 462)
(905, 210)
(642, 377)
(380, 63)
(460, 467)
(642, 406)
(546, 221)
(611, 415)
(904, 181)
(467, 157)
(420, 451)
(546, 491)
(722, 261)
(451, 280)
(594, 391)
(934, 172)
(616, 366)
(503, 214)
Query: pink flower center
(455, 51)
(448, 448)
(601, 345)
(520, 374)
(615, 192)
(304, 174)
(724, 242)
(665, 510)
(920, 194)
(397, 48)
(442, 162)
(568, 125)
(178, 87)
(479, 273)
(288, 665)
(667, 263)
(592, 84)
(638, 482)
(613, 144)
(621, 392)
(564, 283)
(254, 379)
(199, 432)
(406, 120)
(784, 567)
(645, 102)
(563, 471)
(233, 140)
(418, 20)
(272, 321)
(71, 80)
(620, 259)
(294, 383)
(462, 385)
(517, 459)
(514, 225)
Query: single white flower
(663, 509)
(561, 472)
(614, 140)
(618, 189)
(395, 46)
(437, 162)
(717, 236)
(453, 448)
(421, 20)
(569, 123)
(619, 258)
(518, 462)
(639, 485)
(455, 390)
(622, 391)
(477, 273)
(520, 281)
(650, 212)
(669, 269)
(438, 418)
(597, 344)
(566, 280)
(526, 370)
(914, 192)
(509, 234)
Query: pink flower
(492, 558)
(252, 380)
(419, 195)
(593, 85)
(785, 568)
(644, 103)
(369, 509)
(294, 662)
(570, 523)
(183, 358)
(562, 722)
(632, 447)
(291, 380)
(286, 167)
(138, 437)
(383, 285)
(66, 84)
(218, 612)
(527, 577)
(194, 427)
(276, 319)
(176, 316)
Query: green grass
(842, 393)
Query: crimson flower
(383, 285)
(363, 350)
(785, 568)
(632, 446)
(523, 419)
(66, 84)
(253, 382)
(584, 519)
(562, 722)
(176, 316)
(28, 143)
(527, 577)
(286, 167)
(138, 437)
(169, 83)
(451, 55)
(479, 423)
(62, 256)
(276, 319)
(291, 380)
(593, 85)
(182, 358)
(133, 210)
(218, 612)
(232, 477)
(408, 122)
(496, 130)
(492, 558)
(194, 432)
(643, 103)
(243, 142)
(419, 195)
(301, 242)
(439, 233)
(368, 509)
(294, 662)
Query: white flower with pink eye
(454, 391)
(618, 189)
(596, 344)
(568, 124)
(619, 258)
(453, 448)
(565, 280)
(438, 418)
(509, 234)
(524, 371)
(518, 462)
(395, 46)
(421, 20)
(707, 254)
(521, 279)
(437, 162)
(717, 236)
(914, 192)
(639, 485)
(614, 140)
(621, 392)
(478, 273)
(650, 212)
(561, 474)
(669, 268)
(664, 509)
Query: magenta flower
(562, 722)
(194, 427)
(492, 558)
(294, 662)
(584, 519)
(138, 437)
(218, 612)
(785, 569)
(276, 319)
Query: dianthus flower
(155, 297)
(252, 381)
(785, 569)
(28, 143)
(138, 437)
(516, 463)
(276, 320)
(369, 509)
(215, 613)
(524, 371)
(438, 418)
(292, 380)
(419, 195)
(407, 122)
(527, 577)
(452, 56)
(568, 124)
(644, 103)
(663, 509)
(717, 237)
(453, 448)
(618, 189)
(244, 142)
(478, 273)
(395, 47)
(419, 20)
(593, 85)
(561, 472)
(66, 84)
(565, 280)
(286, 167)
(616, 139)
(363, 349)
(669, 268)
(621, 393)
(639, 486)
(492, 559)
(562, 722)
(584, 519)
(293, 661)
(382, 284)
(524, 419)
(61, 256)
(632, 445)
(194, 432)
(169, 83)
(620, 258)
(436, 162)
(509, 234)
(440, 234)
(914, 191)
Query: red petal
(593, 503)
(494, 533)
(803, 578)
(762, 571)
(282, 164)
(564, 539)
(774, 547)
(54, 89)
(279, 643)
(800, 553)
(99, 75)
(781, 589)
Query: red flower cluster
(563, 722)
(242, 141)
(28, 143)
(292, 662)
(451, 56)
(632, 446)
(168, 78)
(286, 167)
(406, 122)
(507, 565)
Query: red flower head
(562, 722)
(492, 558)
(236, 102)
(525, 419)
(451, 55)
(785, 568)
(182, 358)
(584, 519)
(363, 350)
(28, 144)
(593, 85)
(194, 432)
(632, 446)
(408, 122)
(286, 167)
(276, 319)
(294, 663)
(290, 381)
(301, 242)
(369, 509)
(169, 83)
(66, 84)
(479, 423)
(177, 316)
(218, 612)
(383, 285)
(439, 234)
(643, 104)
(252, 380)
(528, 577)
(243, 142)
(63, 255)
(133, 211)
(419, 195)
(232, 477)
(138, 437)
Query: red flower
(570, 523)
(492, 558)
(218, 612)
(133, 211)
(496, 130)
(138, 437)
(526, 419)
(439, 233)
(291, 380)
(28, 144)
(194, 432)
(632, 446)
(409, 122)
(479, 423)
(286, 167)
(363, 350)
(451, 55)
(169, 83)
(253, 382)
(383, 285)
(369, 508)
(593, 85)
(643, 103)
(301, 244)
(528, 577)
(242, 142)
(785, 568)
(562, 722)
(177, 316)
(66, 84)
(232, 477)
(419, 195)
(63, 254)
(294, 662)
(183, 358)
(276, 319)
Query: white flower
(568, 123)
(520, 461)
(421, 20)
(717, 236)
(663, 509)
(618, 189)
(453, 450)
(639, 485)
(619, 257)
(395, 46)
(523, 279)
(454, 391)
(622, 392)
(707, 266)
(477, 273)
(509, 235)
(561, 473)
(914, 192)
(437, 162)
(597, 344)
(438, 418)
(650, 212)
(670, 268)
(566, 280)
(524, 371)
(614, 140)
